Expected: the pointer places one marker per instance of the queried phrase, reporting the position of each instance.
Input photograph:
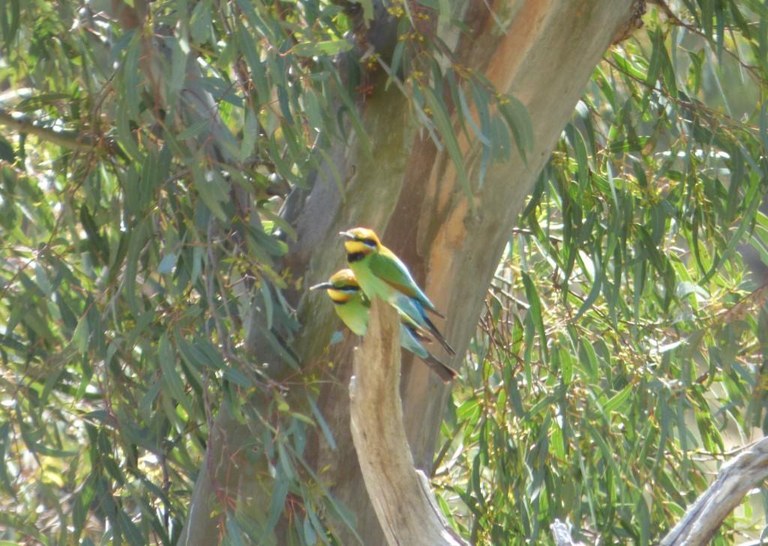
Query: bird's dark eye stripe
(368, 242)
(348, 288)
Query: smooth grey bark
(226, 476)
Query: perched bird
(382, 274)
(352, 307)
(348, 300)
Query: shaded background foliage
(146, 169)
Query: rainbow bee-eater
(352, 307)
(382, 274)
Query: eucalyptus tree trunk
(541, 51)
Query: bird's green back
(388, 267)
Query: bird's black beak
(346, 235)
(325, 285)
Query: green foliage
(143, 174)
(140, 245)
(622, 354)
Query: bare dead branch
(734, 480)
(400, 494)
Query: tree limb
(734, 480)
(400, 494)
(66, 139)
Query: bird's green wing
(390, 269)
